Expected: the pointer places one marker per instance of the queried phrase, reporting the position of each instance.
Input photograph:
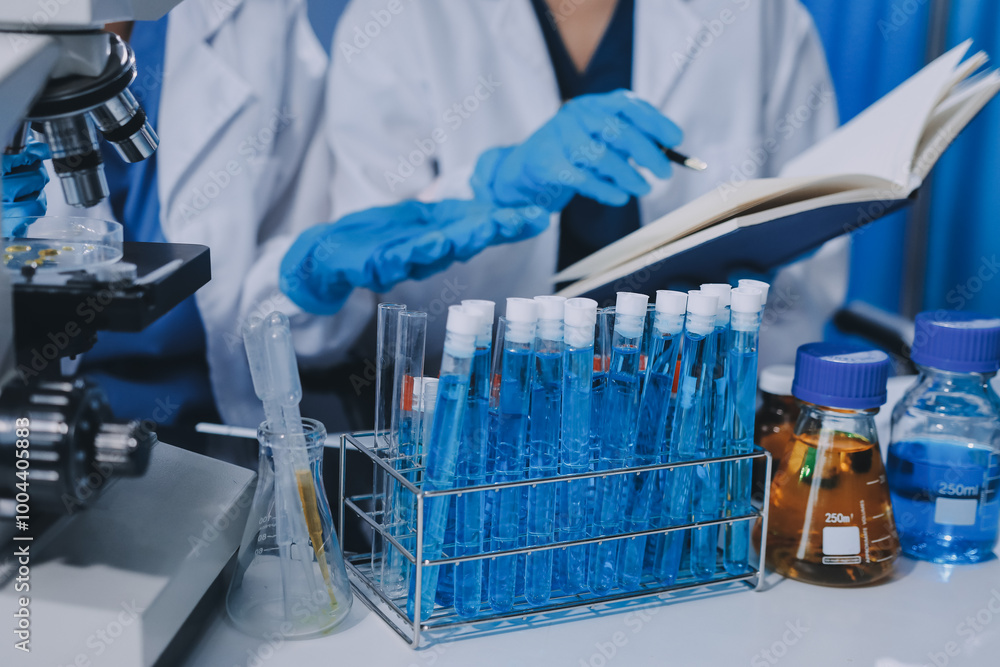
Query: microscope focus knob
(124, 447)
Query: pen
(681, 159)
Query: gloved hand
(24, 178)
(380, 247)
(584, 149)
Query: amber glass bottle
(830, 519)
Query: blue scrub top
(166, 362)
(586, 225)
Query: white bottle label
(841, 540)
(955, 511)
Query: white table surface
(926, 614)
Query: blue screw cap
(836, 375)
(952, 340)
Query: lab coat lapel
(663, 30)
(201, 95)
(516, 28)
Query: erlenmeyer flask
(290, 576)
(830, 520)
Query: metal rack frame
(360, 566)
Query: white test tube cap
(719, 290)
(428, 393)
(747, 300)
(670, 302)
(759, 284)
(485, 308)
(551, 307)
(632, 304)
(581, 312)
(521, 310)
(464, 321)
(702, 304)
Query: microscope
(98, 521)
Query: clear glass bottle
(944, 456)
(290, 576)
(830, 520)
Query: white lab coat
(241, 105)
(457, 78)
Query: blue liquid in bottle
(945, 499)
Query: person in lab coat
(235, 91)
(419, 91)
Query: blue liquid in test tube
(543, 446)
(687, 437)
(509, 407)
(653, 435)
(461, 330)
(469, 507)
(621, 412)
(744, 337)
(707, 495)
(574, 452)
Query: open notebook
(867, 168)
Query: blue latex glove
(584, 149)
(381, 247)
(24, 178)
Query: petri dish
(51, 243)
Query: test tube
(574, 452)
(510, 403)
(461, 329)
(469, 507)
(543, 445)
(708, 480)
(687, 437)
(747, 303)
(621, 413)
(602, 364)
(386, 333)
(653, 436)
(405, 424)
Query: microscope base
(117, 581)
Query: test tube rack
(361, 567)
